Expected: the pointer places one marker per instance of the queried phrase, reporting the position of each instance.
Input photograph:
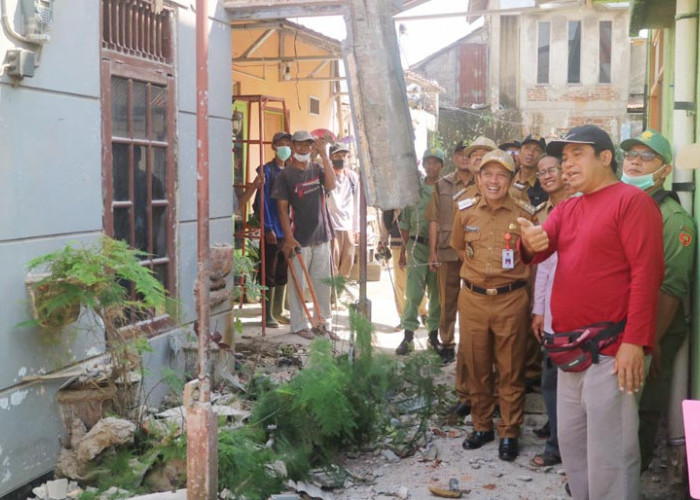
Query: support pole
(201, 422)
(685, 66)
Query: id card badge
(507, 258)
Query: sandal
(305, 334)
(546, 459)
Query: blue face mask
(283, 152)
(643, 182)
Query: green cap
(434, 153)
(654, 141)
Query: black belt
(494, 291)
(418, 239)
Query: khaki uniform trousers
(343, 253)
(448, 285)
(400, 285)
(493, 328)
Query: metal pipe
(203, 263)
(685, 68)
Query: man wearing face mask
(300, 192)
(275, 261)
(647, 164)
(344, 209)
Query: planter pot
(39, 293)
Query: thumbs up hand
(534, 238)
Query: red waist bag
(575, 351)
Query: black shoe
(477, 439)
(567, 489)
(433, 341)
(406, 345)
(448, 355)
(508, 449)
(543, 432)
(461, 409)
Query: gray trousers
(318, 261)
(549, 395)
(598, 440)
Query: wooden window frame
(115, 64)
(319, 106)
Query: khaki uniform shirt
(441, 208)
(519, 189)
(481, 233)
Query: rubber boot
(278, 305)
(406, 345)
(270, 320)
(433, 341)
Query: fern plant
(98, 277)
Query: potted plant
(99, 278)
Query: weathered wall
(558, 105)
(266, 81)
(51, 194)
(444, 69)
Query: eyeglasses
(643, 155)
(549, 171)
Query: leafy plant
(99, 278)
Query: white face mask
(302, 158)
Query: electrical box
(20, 63)
(38, 15)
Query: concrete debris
(431, 453)
(390, 456)
(402, 493)
(525, 479)
(41, 492)
(312, 491)
(278, 468)
(107, 432)
(58, 489)
(77, 432)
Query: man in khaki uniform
(443, 258)
(493, 303)
(526, 186)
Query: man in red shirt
(610, 248)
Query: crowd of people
(563, 272)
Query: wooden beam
(318, 68)
(287, 59)
(257, 43)
(244, 10)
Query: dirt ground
(480, 473)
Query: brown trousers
(494, 329)
(343, 253)
(448, 288)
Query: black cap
(510, 144)
(537, 139)
(463, 144)
(586, 134)
(281, 135)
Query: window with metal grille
(138, 137)
(136, 28)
